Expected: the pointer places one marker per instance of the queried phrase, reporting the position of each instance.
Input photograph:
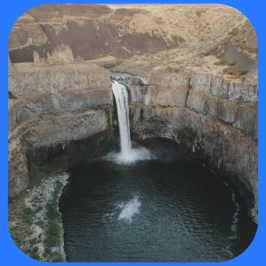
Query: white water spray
(127, 154)
(127, 211)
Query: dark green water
(154, 210)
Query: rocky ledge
(50, 106)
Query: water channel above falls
(150, 205)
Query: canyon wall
(53, 105)
(212, 120)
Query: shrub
(234, 31)
(52, 241)
(231, 62)
(40, 223)
(35, 249)
(34, 175)
(243, 78)
(199, 12)
(219, 55)
(35, 255)
(53, 235)
(28, 211)
(38, 209)
(29, 219)
(33, 241)
(52, 212)
(253, 50)
(243, 72)
(58, 258)
(241, 44)
(95, 24)
(11, 95)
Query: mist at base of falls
(135, 155)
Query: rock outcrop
(53, 105)
(212, 120)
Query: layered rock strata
(212, 120)
(53, 105)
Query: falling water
(121, 97)
(127, 154)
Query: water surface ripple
(154, 210)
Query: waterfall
(127, 155)
(121, 98)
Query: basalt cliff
(193, 80)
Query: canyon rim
(191, 72)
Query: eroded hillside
(213, 39)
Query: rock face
(212, 120)
(50, 106)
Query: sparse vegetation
(242, 45)
(24, 233)
(53, 236)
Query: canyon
(191, 79)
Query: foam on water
(129, 209)
(135, 155)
